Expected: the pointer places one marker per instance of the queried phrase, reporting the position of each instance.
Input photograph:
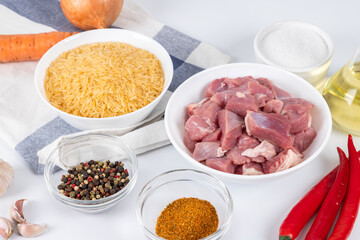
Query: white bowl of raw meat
(248, 122)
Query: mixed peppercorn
(94, 180)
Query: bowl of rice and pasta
(106, 78)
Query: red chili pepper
(69, 179)
(329, 208)
(102, 170)
(306, 207)
(85, 164)
(351, 202)
(73, 186)
(116, 176)
(78, 196)
(68, 183)
(90, 179)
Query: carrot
(25, 47)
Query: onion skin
(91, 14)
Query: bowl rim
(219, 184)
(60, 44)
(311, 27)
(247, 178)
(49, 166)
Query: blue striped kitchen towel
(26, 124)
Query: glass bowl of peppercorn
(184, 204)
(91, 172)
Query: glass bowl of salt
(298, 47)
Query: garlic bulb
(16, 211)
(31, 230)
(6, 176)
(6, 228)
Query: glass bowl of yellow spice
(184, 204)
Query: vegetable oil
(342, 93)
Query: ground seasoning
(94, 180)
(187, 219)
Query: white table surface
(231, 26)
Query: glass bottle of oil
(342, 93)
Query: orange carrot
(25, 47)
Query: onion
(91, 14)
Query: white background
(231, 26)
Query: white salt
(294, 47)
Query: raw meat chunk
(241, 103)
(258, 89)
(198, 127)
(189, 143)
(274, 105)
(240, 81)
(299, 121)
(265, 149)
(221, 164)
(217, 85)
(245, 142)
(205, 150)
(235, 156)
(221, 98)
(208, 110)
(284, 160)
(304, 138)
(272, 127)
(296, 105)
(231, 128)
(192, 106)
(251, 168)
(213, 137)
(281, 94)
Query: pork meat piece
(192, 106)
(241, 103)
(251, 168)
(261, 92)
(235, 156)
(264, 149)
(217, 85)
(284, 160)
(274, 105)
(304, 138)
(272, 127)
(280, 94)
(299, 121)
(222, 98)
(189, 143)
(245, 142)
(208, 110)
(240, 81)
(213, 137)
(296, 105)
(205, 150)
(231, 128)
(198, 127)
(221, 164)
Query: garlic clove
(6, 228)
(6, 176)
(31, 230)
(16, 211)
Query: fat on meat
(284, 160)
(296, 105)
(272, 127)
(231, 128)
(239, 82)
(260, 91)
(235, 156)
(251, 168)
(198, 127)
(205, 150)
(280, 93)
(222, 164)
(304, 138)
(264, 149)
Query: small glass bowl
(84, 148)
(172, 185)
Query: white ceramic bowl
(193, 90)
(104, 35)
